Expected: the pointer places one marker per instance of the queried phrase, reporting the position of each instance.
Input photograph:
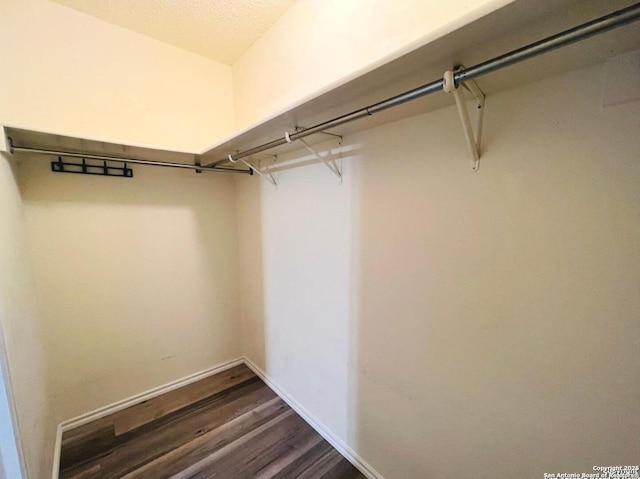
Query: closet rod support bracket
(270, 177)
(333, 166)
(473, 140)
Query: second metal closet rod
(567, 37)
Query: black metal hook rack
(84, 168)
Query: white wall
(445, 323)
(70, 73)
(419, 311)
(22, 339)
(315, 45)
(137, 278)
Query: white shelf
(69, 144)
(518, 24)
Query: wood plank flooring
(227, 426)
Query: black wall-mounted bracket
(84, 168)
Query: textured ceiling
(218, 29)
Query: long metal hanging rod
(168, 164)
(567, 37)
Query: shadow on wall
(250, 259)
(295, 264)
(442, 322)
(138, 278)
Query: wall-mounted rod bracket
(334, 166)
(270, 177)
(473, 140)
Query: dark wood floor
(227, 426)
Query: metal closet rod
(168, 164)
(567, 37)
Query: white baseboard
(131, 401)
(362, 465)
(331, 438)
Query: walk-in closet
(319, 239)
